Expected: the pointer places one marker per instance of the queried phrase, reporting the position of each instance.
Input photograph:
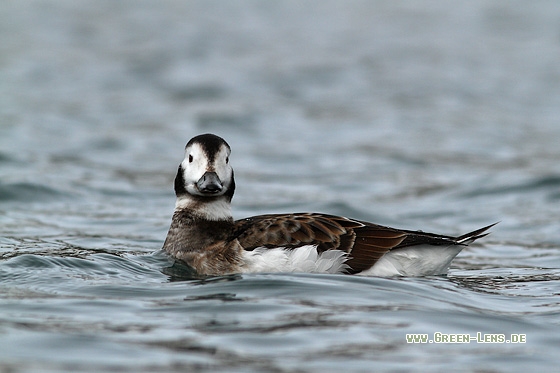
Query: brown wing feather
(290, 230)
(364, 242)
(372, 242)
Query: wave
(28, 192)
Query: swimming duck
(204, 235)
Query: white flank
(301, 259)
(423, 260)
(214, 209)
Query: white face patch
(197, 162)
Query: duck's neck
(197, 225)
(215, 209)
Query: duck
(204, 236)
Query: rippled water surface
(422, 115)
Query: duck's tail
(474, 235)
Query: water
(425, 115)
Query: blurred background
(413, 112)
(440, 116)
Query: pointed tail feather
(474, 235)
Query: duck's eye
(190, 158)
(227, 160)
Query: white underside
(420, 260)
(301, 259)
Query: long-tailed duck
(204, 235)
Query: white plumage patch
(422, 260)
(218, 209)
(409, 261)
(301, 259)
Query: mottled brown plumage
(364, 242)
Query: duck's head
(205, 174)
